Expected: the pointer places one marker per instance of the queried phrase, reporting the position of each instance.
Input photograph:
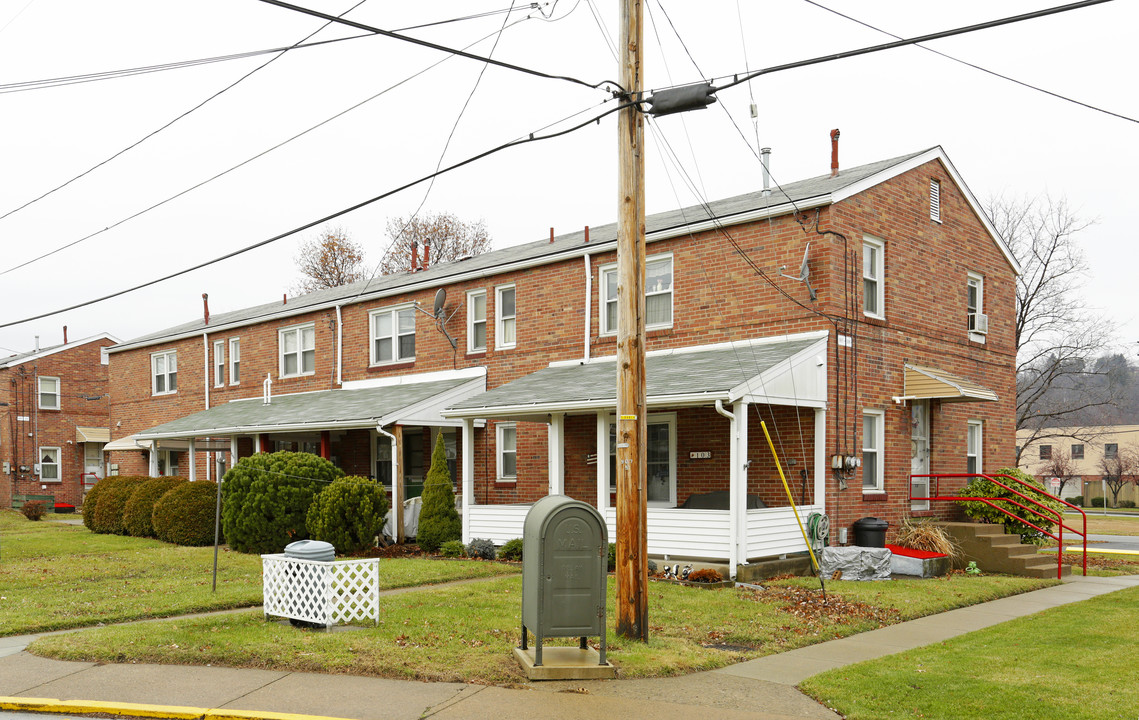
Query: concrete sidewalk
(760, 689)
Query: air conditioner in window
(979, 323)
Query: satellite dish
(805, 268)
(440, 301)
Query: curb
(172, 712)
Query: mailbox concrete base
(565, 663)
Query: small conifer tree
(438, 519)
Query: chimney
(206, 307)
(551, 236)
(834, 152)
(64, 334)
(414, 255)
(765, 161)
(587, 233)
(426, 255)
(284, 298)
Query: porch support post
(556, 454)
(602, 462)
(153, 469)
(256, 443)
(468, 475)
(821, 459)
(192, 460)
(734, 464)
(326, 444)
(397, 483)
(737, 505)
(232, 450)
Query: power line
(976, 67)
(436, 46)
(513, 143)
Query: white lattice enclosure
(326, 593)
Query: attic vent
(935, 200)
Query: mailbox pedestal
(564, 552)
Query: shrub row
(168, 508)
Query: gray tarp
(856, 563)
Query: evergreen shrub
(349, 513)
(185, 514)
(481, 548)
(983, 487)
(452, 549)
(91, 499)
(512, 550)
(140, 505)
(1077, 500)
(1126, 503)
(1096, 502)
(108, 517)
(266, 497)
(439, 521)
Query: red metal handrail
(935, 496)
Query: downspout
(588, 301)
(397, 512)
(340, 347)
(206, 374)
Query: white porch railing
(671, 531)
(325, 593)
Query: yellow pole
(787, 489)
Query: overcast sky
(1003, 138)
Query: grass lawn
(1105, 525)
(1028, 667)
(467, 632)
(1101, 564)
(55, 576)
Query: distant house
(54, 421)
(1078, 458)
(865, 317)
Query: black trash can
(870, 532)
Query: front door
(919, 452)
(93, 459)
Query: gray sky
(1002, 137)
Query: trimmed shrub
(439, 521)
(452, 549)
(481, 548)
(140, 505)
(1077, 500)
(266, 497)
(983, 487)
(1096, 502)
(1126, 503)
(185, 514)
(512, 550)
(33, 510)
(349, 513)
(108, 514)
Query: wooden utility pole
(632, 506)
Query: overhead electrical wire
(437, 46)
(947, 56)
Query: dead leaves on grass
(815, 613)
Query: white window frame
(876, 273)
(299, 332)
(935, 200)
(878, 450)
(500, 451)
(653, 419)
(219, 363)
(975, 435)
(395, 335)
(167, 374)
(58, 464)
(605, 300)
(974, 280)
(500, 318)
(234, 361)
(473, 321)
(56, 394)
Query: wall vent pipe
(206, 307)
(765, 161)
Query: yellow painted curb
(172, 712)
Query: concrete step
(995, 551)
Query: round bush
(452, 549)
(349, 513)
(439, 521)
(33, 510)
(185, 514)
(140, 505)
(111, 503)
(512, 550)
(481, 548)
(266, 497)
(982, 487)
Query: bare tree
(1061, 466)
(1119, 470)
(330, 260)
(1058, 336)
(432, 238)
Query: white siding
(773, 531)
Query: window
(1111, 451)
(507, 442)
(393, 335)
(978, 322)
(164, 372)
(505, 317)
(234, 361)
(658, 295)
(298, 350)
(873, 290)
(973, 446)
(1078, 452)
(476, 321)
(219, 363)
(49, 393)
(872, 437)
(935, 200)
(49, 464)
(660, 457)
(1045, 452)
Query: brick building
(53, 421)
(865, 318)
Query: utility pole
(632, 505)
